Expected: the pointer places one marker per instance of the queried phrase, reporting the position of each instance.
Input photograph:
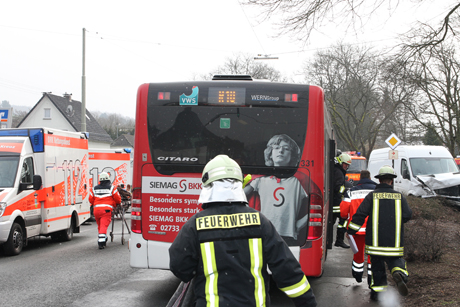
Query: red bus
(180, 126)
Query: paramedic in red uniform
(104, 198)
(348, 207)
(228, 246)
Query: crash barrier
(184, 295)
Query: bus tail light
(136, 210)
(315, 229)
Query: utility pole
(83, 89)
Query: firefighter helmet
(104, 176)
(344, 158)
(386, 171)
(221, 167)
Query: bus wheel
(13, 246)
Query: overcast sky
(139, 41)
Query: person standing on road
(350, 203)
(228, 246)
(387, 211)
(340, 169)
(104, 198)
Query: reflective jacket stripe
(298, 289)
(211, 274)
(103, 192)
(375, 249)
(255, 247)
(375, 222)
(102, 205)
(385, 251)
(398, 217)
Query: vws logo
(190, 100)
(279, 197)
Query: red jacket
(104, 196)
(353, 198)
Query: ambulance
(115, 162)
(43, 185)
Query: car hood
(429, 183)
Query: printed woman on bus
(282, 200)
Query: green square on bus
(225, 123)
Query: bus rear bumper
(312, 259)
(148, 254)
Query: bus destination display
(226, 96)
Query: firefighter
(104, 198)
(343, 162)
(350, 203)
(387, 211)
(228, 246)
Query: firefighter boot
(339, 238)
(101, 241)
(357, 275)
(400, 283)
(374, 296)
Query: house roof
(124, 140)
(71, 110)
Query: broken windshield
(432, 166)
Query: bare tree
(358, 97)
(426, 37)
(244, 64)
(436, 75)
(300, 18)
(114, 124)
(398, 89)
(18, 116)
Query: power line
(252, 28)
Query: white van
(425, 171)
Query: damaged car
(422, 170)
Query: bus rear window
(192, 136)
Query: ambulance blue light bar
(37, 140)
(15, 132)
(35, 135)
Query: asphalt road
(78, 274)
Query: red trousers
(103, 219)
(361, 244)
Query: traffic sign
(393, 155)
(393, 141)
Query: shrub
(423, 241)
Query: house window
(47, 113)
